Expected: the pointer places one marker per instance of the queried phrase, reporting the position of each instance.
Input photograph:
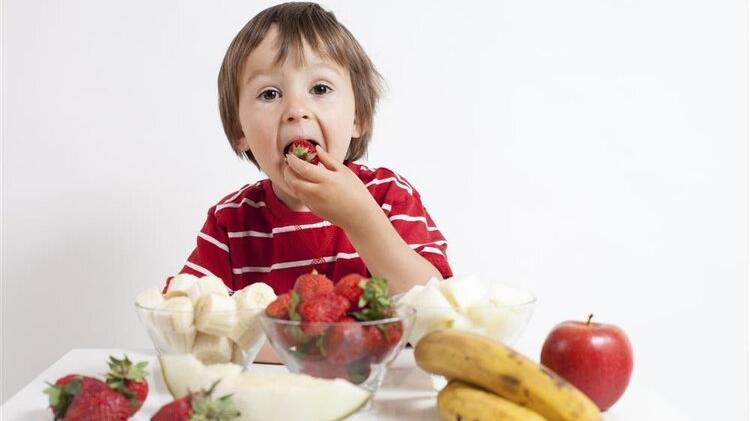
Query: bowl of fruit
(350, 331)
(496, 310)
(201, 316)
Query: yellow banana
(460, 401)
(497, 368)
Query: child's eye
(269, 95)
(321, 89)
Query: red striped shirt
(251, 236)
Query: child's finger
(327, 160)
(305, 170)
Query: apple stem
(591, 316)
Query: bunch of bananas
(490, 381)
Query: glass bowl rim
(491, 305)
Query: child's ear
(241, 144)
(357, 130)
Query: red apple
(595, 357)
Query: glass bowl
(355, 351)
(502, 321)
(214, 337)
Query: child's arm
(335, 193)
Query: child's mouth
(303, 149)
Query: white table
(406, 393)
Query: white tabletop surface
(406, 393)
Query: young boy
(294, 72)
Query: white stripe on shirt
(432, 250)
(410, 218)
(199, 268)
(278, 230)
(395, 181)
(213, 241)
(239, 192)
(244, 201)
(296, 263)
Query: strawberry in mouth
(303, 149)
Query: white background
(594, 152)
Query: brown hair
(326, 36)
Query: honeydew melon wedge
(184, 373)
(433, 311)
(288, 396)
(265, 396)
(464, 292)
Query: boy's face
(281, 103)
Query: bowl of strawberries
(350, 330)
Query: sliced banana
(248, 330)
(180, 312)
(150, 298)
(216, 314)
(211, 349)
(177, 342)
(207, 285)
(237, 356)
(180, 284)
(257, 295)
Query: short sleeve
(414, 224)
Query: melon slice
(286, 396)
(184, 373)
(265, 396)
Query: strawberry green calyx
(207, 409)
(293, 314)
(303, 153)
(60, 397)
(124, 371)
(375, 301)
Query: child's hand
(330, 189)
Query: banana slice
(181, 342)
(257, 295)
(216, 314)
(237, 355)
(150, 298)
(248, 330)
(207, 285)
(180, 314)
(211, 349)
(180, 284)
(150, 301)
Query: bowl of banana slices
(201, 316)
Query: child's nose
(297, 114)
(296, 110)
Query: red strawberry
(304, 150)
(326, 307)
(279, 308)
(129, 380)
(312, 284)
(382, 338)
(345, 341)
(94, 400)
(61, 394)
(198, 405)
(351, 287)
